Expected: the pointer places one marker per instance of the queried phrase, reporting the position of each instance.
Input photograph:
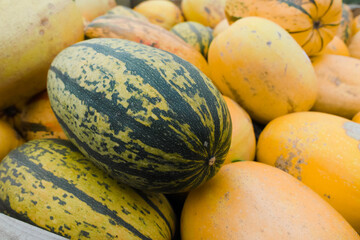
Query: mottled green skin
(149, 118)
(195, 34)
(50, 184)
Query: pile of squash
(206, 119)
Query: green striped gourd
(126, 11)
(195, 34)
(149, 118)
(50, 184)
(344, 30)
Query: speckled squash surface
(250, 200)
(322, 151)
(149, 118)
(50, 184)
(313, 24)
(146, 33)
(259, 65)
(195, 34)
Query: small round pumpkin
(322, 151)
(250, 200)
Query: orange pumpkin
(313, 24)
(251, 200)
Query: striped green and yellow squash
(195, 34)
(344, 30)
(50, 184)
(149, 118)
(126, 11)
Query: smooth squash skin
(145, 116)
(50, 184)
(337, 47)
(123, 27)
(220, 27)
(354, 46)
(313, 24)
(322, 151)
(90, 9)
(9, 139)
(38, 119)
(356, 118)
(339, 88)
(259, 65)
(207, 12)
(162, 13)
(250, 200)
(40, 30)
(243, 140)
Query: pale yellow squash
(259, 65)
(322, 151)
(220, 27)
(90, 9)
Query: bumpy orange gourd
(313, 24)
(259, 65)
(250, 200)
(206, 12)
(162, 13)
(339, 88)
(39, 121)
(321, 150)
(243, 141)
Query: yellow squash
(336, 47)
(243, 141)
(207, 12)
(322, 151)
(259, 65)
(90, 9)
(34, 32)
(313, 24)
(339, 88)
(250, 200)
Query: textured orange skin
(243, 137)
(259, 65)
(162, 13)
(250, 200)
(339, 89)
(146, 33)
(38, 111)
(312, 24)
(207, 12)
(39, 32)
(321, 150)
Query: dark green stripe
(40, 173)
(178, 34)
(300, 31)
(328, 9)
(34, 127)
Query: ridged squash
(36, 32)
(123, 27)
(322, 151)
(162, 13)
(243, 141)
(207, 12)
(339, 89)
(195, 34)
(50, 184)
(251, 200)
(147, 117)
(313, 24)
(38, 119)
(259, 65)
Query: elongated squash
(322, 151)
(36, 31)
(146, 33)
(50, 184)
(313, 24)
(149, 118)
